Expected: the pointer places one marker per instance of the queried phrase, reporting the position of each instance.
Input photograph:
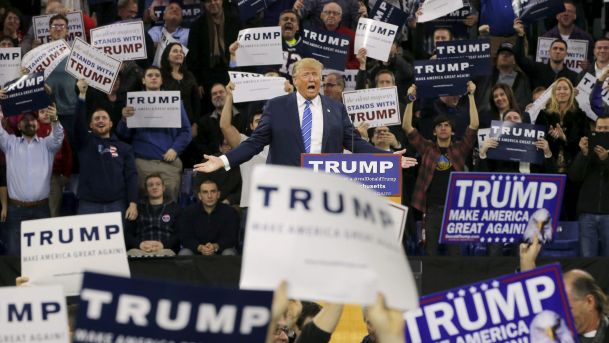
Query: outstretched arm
(474, 121)
(407, 119)
(232, 135)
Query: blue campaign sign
(499, 14)
(523, 307)
(455, 21)
(385, 12)
(532, 11)
(501, 207)
(381, 173)
(125, 310)
(516, 142)
(25, 94)
(249, 8)
(477, 51)
(441, 77)
(329, 48)
(190, 13)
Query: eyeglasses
(283, 329)
(334, 13)
(58, 26)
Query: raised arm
(232, 135)
(407, 118)
(474, 121)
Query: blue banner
(516, 142)
(477, 51)
(499, 15)
(532, 11)
(329, 48)
(381, 173)
(132, 310)
(501, 207)
(523, 307)
(455, 21)
(190, 13)
(441, 77)
(250, 8)
(385, 12)
(25, 94)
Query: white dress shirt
(317, 129)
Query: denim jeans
(594, 234)
(15, 215)
(89, 207)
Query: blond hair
(553, 103)
(307, 63)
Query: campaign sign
(33, 314)
(159, 109)
(381, 173)
(58, 250)
(10, 64)
(477, 51)
(98, 69)
(540, 103)
(190, 13)
(585, 86)
(577, 52)
(25, 94)
(45, 57)
(329, 48)
(328, 228)
(455, 21)
(386, 12)
(532, 11)
(250, 8)
(375, 106)
(376, 37)
(255, 87)
(76, 27)
(165, 39)
(259, 46)
(501, 207)
(441, 77)
(124, 40)
(133, 310)
(499, 15)
(516, 142)
(433, 9)
(349, 75)
(524, 307)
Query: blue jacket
(152, 143)
(107, 165)
(280, 128)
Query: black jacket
(594, 177)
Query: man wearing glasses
(331, 20)
(334, 85)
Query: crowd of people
(83, 136)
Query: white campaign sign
(434, 9)
(376, 37)
(76, 27)
(375, 106)
(10, 64)
(45, 57)
(259, 46)
(327, 228)
(165, 40)
(483, 134)
(123, 41)
(540, 103)
(98, 69)
(584, 87)
(399, 214)
(577, 51)
(254, 87)
(161, 109)
(58, 250)
(33, 314)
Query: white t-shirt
(246, 172)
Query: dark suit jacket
(280, 127)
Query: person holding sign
(439, 158)
(331, 18)
(173, 24)
(28, 185)
(542, 74)
(157, 149)
(326, 127)
(108, 178)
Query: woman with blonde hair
(565, 124)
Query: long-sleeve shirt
(153, 143)
(29, 165)
(196, 226)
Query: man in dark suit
(301, 122)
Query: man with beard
(543, 74)
(29, 166)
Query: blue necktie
(307, 123)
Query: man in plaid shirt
(439, 159)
